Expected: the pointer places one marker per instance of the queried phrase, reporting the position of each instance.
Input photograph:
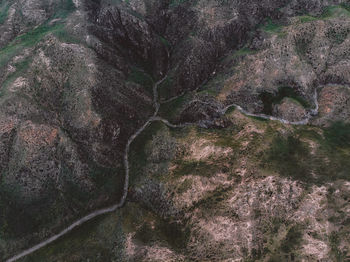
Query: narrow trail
(125, 188)
(153, 118)
(305, 121)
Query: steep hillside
(225, 125)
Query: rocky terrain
(237, 114)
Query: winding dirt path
(305, 121)
(153, 118)
(107, 209)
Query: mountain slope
(79, 78)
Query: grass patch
(221, 137)
(272, 27)
(151, 228)
(26, 40)
(172, 109)
(34, 36)
(201, 168)
(107, 180)
(4, 9)
(335, 11)
(337, 136)
(286, 249)
(163, 230)
(139, 77)
(335, 147)
(289, 156)
(138, 155)
(70, 245)
(328, 12)
(346, 6)
(164, 41)
(307, 18)
(261, 119)
(22, 216)
(244, 51)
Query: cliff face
(77, 80)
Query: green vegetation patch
(109, 181)
(337, 135)
(34, 36)
(221, 137)
(140, 77)
(21, 216)
(307, 18)
(202, 168)
(288, 155)
(244, 51)
(291, 156)
(335, 11)
(92, 241)
(216, 84)
(284, 249)
(167, 231)
(164, 41)
(273, 28)
(4, 9)
(138, 155)
(328, 12)
(261, 119)
(335, 147)
(172, 109)
(26, 40)
(292, 240)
